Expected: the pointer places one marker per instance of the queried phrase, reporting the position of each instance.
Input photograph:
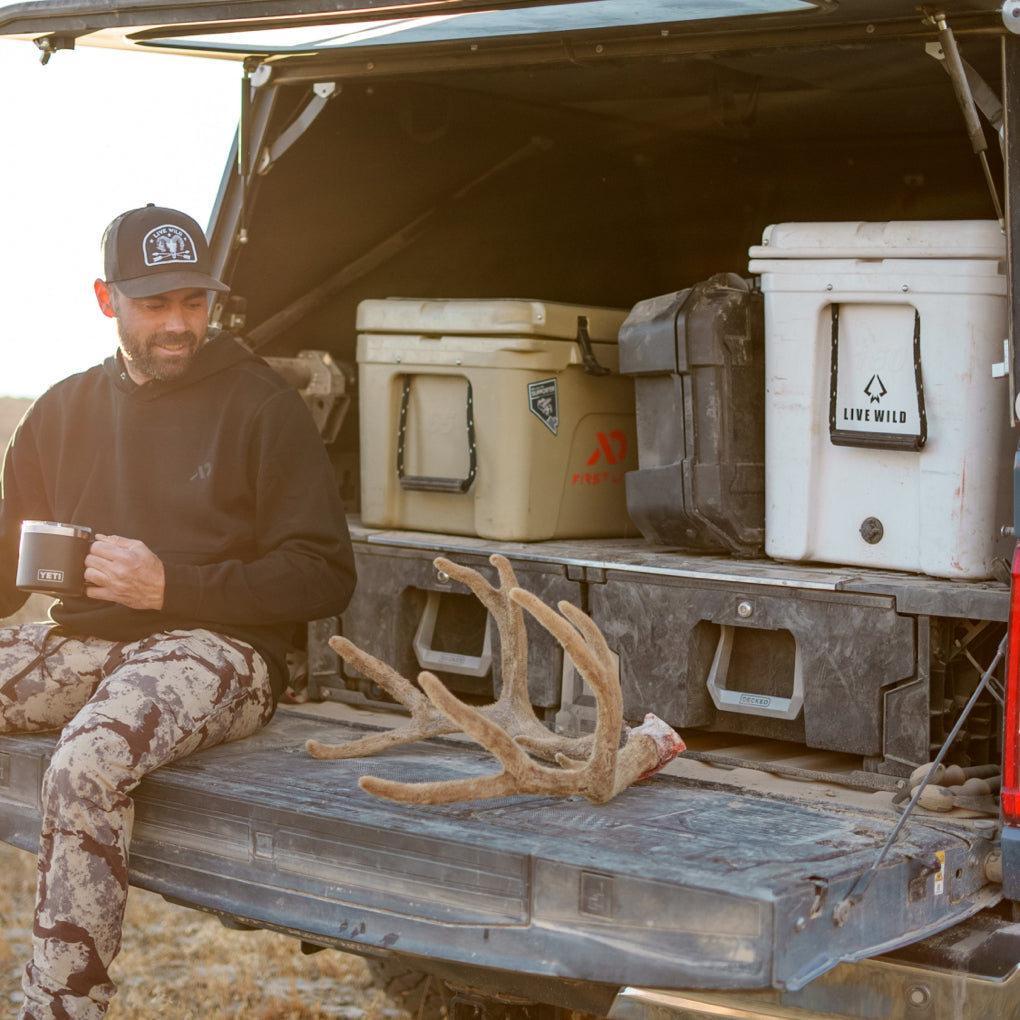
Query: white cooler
(887, 437)
(479, 417)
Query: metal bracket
(49, 44)
(322, 93)
(961, 86)
(325, 386)
(984, 96)
(1005, 368)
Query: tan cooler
(495, 418)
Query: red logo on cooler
(605, 447)
(612, 446)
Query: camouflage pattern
(125, 709)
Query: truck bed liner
(688, 880)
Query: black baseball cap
(153, 250)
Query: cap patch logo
(168, 244)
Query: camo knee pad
(46, 677)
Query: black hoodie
(221, 473)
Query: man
(217, 529)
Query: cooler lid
(896, 239)
(487, 317)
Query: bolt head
(919, 995)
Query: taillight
(1011, 735)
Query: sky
(91, 134)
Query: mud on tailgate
(683, 881)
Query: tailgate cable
(841, 912)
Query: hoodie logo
(168, 243)
(203, 472)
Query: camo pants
(125, 709)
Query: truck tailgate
(688, 880)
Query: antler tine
(609, 768)
(426, 720)
(512, 709)
(509, 725)
(581, 639)
(520, 774)
(594, 639)
(509, 619)
(490, 596)
(483, 731)
(654, 744)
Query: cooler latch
(591, 363)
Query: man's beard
(143, 354)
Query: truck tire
(423, 996)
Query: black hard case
(698, 361)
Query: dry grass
(179, 964)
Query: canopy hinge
(49, 44)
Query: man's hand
(126, 571)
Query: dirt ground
(179, 964)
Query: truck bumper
(971, 972)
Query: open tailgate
(686, 880)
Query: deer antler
(609, 768)
(426, 719)
(512, 710)
(509, 724)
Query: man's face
(160, 335)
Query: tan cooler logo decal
(544, 403)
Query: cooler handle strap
(430, 483)
(913, 442)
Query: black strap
(877, 440)
(429, 483)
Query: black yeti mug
(51, 558)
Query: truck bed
(706, 877)
(636, 558)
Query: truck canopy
(598, 152)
